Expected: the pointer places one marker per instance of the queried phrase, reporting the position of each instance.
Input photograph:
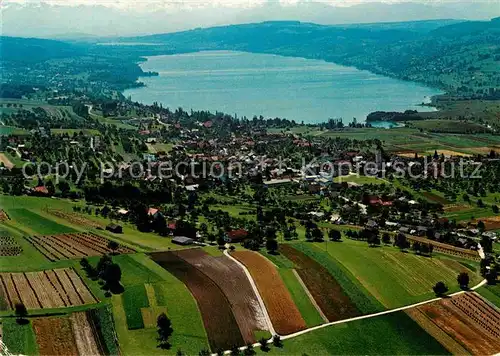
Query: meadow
(392, 334)
(393, 277)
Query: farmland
(329, 295)
(9, 245)
(46, 289)
(234, 283)
(135, 298)
(466, 318)
(54, 336)
(394, 278)
(218, 318)
(36, 222)
(392, 334)
(19, 338)
(283, 312)
(164, 292)
(73, 245)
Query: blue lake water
(249, 84)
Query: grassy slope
(189, 333)
(492, 293)
(133, 299)
(392, 334)
(364, 301)
(300, 298)
(394, 278)
(20, 339)
(130, 236)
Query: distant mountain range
(55, 21)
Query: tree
(440, 289)
(235, 351)
(249, 351)
(317, 235)
(372, 238)
(481, 226)
(179, 353)
(463, 280)
(277, 341)
(112, 275)
(165, 330)
(263, 344)
(272, 246)
(417, 247)
(204, 352)
(334, 235)
(113, 246)
(386, 238)
(495, 209)
(21, 313)
(401, 241)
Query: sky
(134, 17)
(225, 3)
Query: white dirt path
(302, 332)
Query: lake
(249, 84)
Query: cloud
(158, 4)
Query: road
(305, 331)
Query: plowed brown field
(84, 337)
(73, 245)
(235, 285)
(469, 320)
(325, 289)
(54, 336)
(219, 321)
(45, 289)
(283, 312)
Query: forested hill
(462, 58)
(18, 49)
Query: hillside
(461, 58)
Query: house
(192, 187)
(114, 228)
(41, 190)
(237, 235)
(404, 230)
(154, 213)
(182, 240)
(421, 230)
(391, 224)
(122, 211)
(371, 224)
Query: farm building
(115, 228)
(182, 240)
(41, 190)
(237, 235)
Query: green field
(492, 293)
(300, 298)
(189, 332)
(392, 334)
(134, 298)
(37, 223)
(393, 277)
(20, 339)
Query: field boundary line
(368, 316)
(483, 282)
(256, 291)
(311, 298)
